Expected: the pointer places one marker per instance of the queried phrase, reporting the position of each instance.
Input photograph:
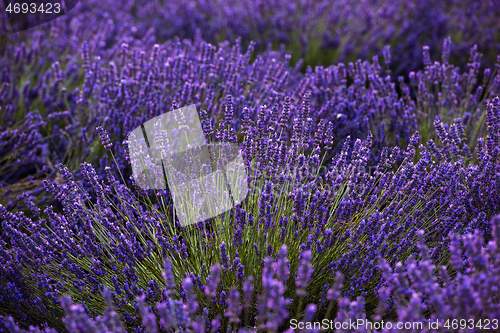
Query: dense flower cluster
(458, 296)
(138, 84)
(346, 215)
(42, 73)
(319, 31)
(370, 195)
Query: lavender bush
(42, 73)
(461, 296)
(135, 86)
(374, 183)
(338, 219)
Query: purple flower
(213, 281)
(234, 308)
(224, 256)
(106, 142)
(304, 273)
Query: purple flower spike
(106, 142)
(304, 273)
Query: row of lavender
(319, 31)
(463, 302)
(49, 116)
(325, 32)
(341, 219)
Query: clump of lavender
(332, 219)
(139, 83)
(341, 217)
(417, 291)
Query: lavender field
(370, 134)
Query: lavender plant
(42, 74)
(339, 220)
(321, 32)
(353, 99)
(338, 223)
(429, 297)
